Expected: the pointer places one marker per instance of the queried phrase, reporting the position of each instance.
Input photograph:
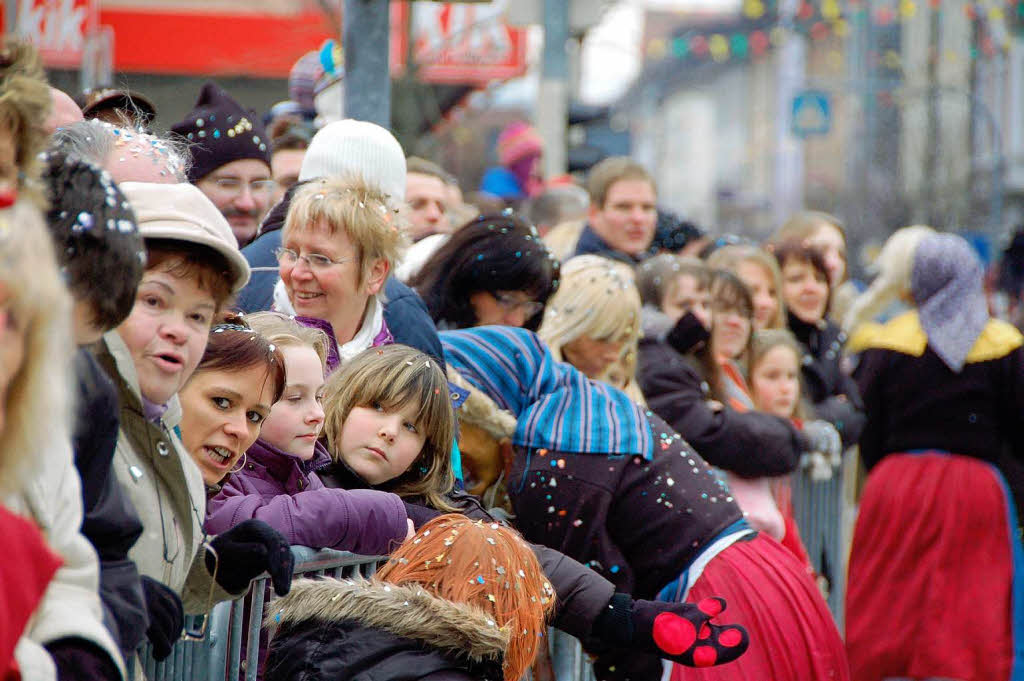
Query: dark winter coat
(830, 390)
(591, 244)
(636, 522)
(335, 630)
(914, 401)
(580, 594)
(110, 521)
(751, 444)
(285, 492)
(404, 312)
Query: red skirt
(768, 591)
(929, 589)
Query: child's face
(167, 331)
(380, 445)
(296, 419)
(762, 291)
(805, 290)
(730, 332)
(222, 412)
(832, 244)
(686, 296)
(775, 382)
(12, 350)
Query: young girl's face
(686, 296)
(762, 290)
(775, 381)
(222, 411)
(730, 332)
(296, 419)
(805, 290)
(166, 332)
(832, 244)
(380, 444)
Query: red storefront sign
(452, 42)
(57, 27)
(457, 43)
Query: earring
(240, 466)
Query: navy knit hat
(220, 131)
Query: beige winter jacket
(165, 486)
(50, 495)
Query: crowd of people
(547, 403)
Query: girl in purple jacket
(277, 481)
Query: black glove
(166, 617)
(79, 660)
(245, 552)
(687, 334)
(680, 632)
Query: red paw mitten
(683, 632)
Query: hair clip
(221, 328)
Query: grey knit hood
(946, 283)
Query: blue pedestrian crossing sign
(812, 114)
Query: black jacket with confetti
(637, 522)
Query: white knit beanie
(351, 147)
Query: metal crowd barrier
(214, 652)
(822, 511)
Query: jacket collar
(281, 464)
(590, 242)
(125, 366)
(407, 610)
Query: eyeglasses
(314, 261)
(529, 307)
(233, 186)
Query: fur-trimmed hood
(456, 629)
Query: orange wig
(485, 565)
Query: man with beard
(230, 159)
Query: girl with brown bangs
(389, 425)
(462, 600)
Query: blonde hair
(611, 170)
(763, 342)
(488, 566)
(597, 298)
(395, 376)
(351, 206)
(37, 403)
(284, 332)
(729, 258)
(804, 224)
(894, 264)
(24, 105)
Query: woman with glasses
(493, 271)
(593, 321)
(340, 241)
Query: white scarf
(372, 323)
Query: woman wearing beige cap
(193, 268)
